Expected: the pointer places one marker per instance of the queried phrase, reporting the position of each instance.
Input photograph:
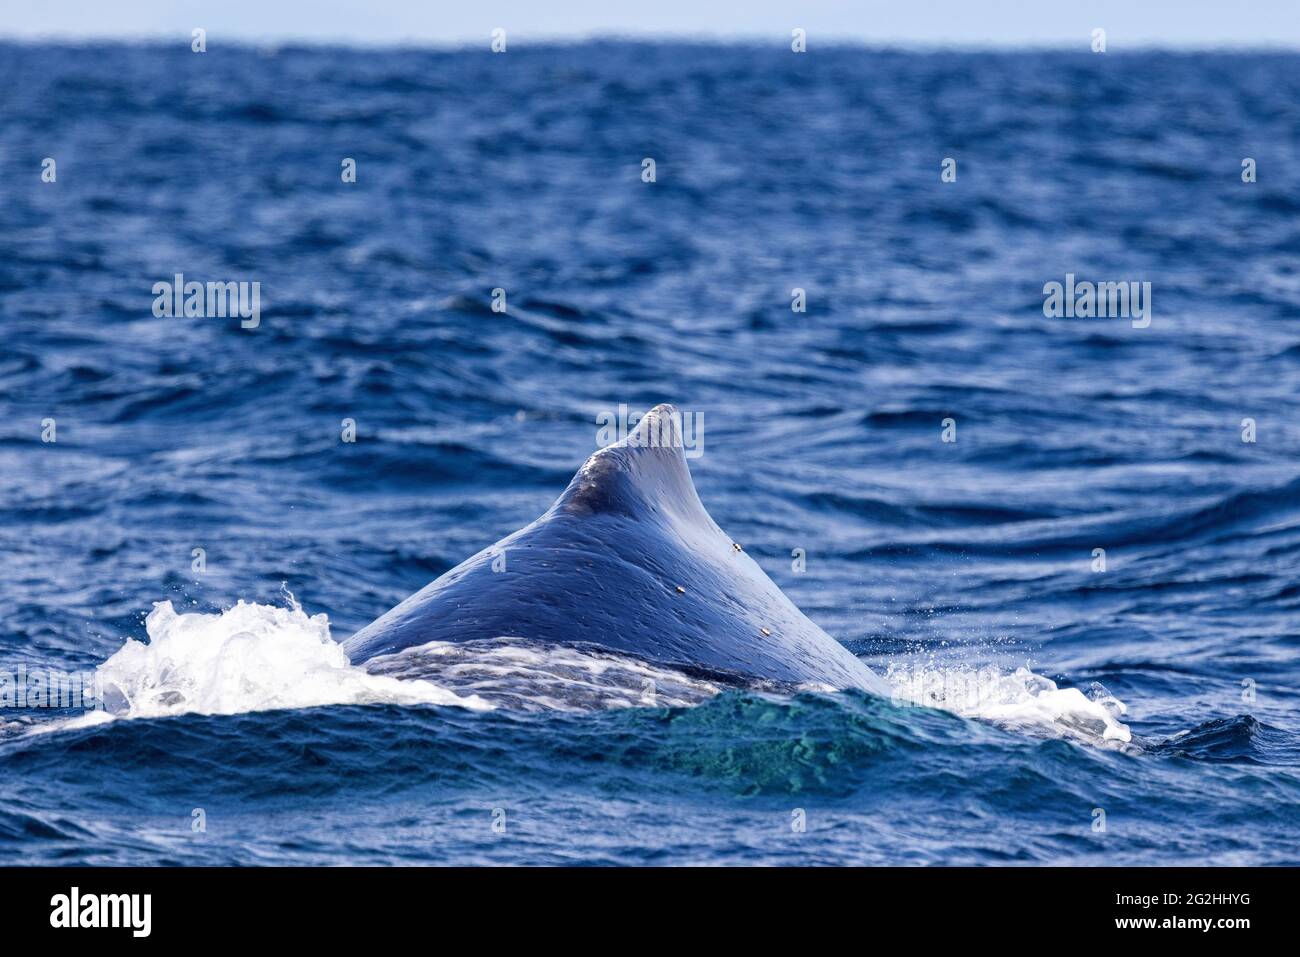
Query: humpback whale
(627, 559)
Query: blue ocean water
(946, 565)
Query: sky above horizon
(1173, 23)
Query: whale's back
(628, 559)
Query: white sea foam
(251, 657)
(1017, 700)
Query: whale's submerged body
(626, 559)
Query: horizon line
(644, 38)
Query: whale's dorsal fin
(642, 476)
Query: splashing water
(1019, 701)
(251, 657)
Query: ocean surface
(1045, 711)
